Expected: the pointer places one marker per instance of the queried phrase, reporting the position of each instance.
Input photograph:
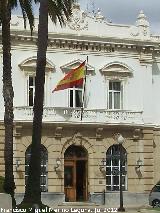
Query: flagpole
(84, 90)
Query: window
(113, 168)
(44, 161)
(31, 90)
(75, 97)
(115, 95)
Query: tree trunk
(33, 190)
(8, 95)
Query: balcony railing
(73, 115)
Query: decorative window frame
(28, 67)
(73, 64)
(117, 71)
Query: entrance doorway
(75, 174)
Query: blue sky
(125, 11)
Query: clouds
(126, 11)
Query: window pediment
(71, 65)
(117, 69)
(29, 65)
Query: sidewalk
(102, 209)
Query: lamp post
(120, 141)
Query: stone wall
(96, 141)
(156, 158)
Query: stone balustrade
(73, 115)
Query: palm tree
(57, 10)
(5, 17)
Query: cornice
(110, 45)
(90, 43)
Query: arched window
(113, 168)
(44, 164)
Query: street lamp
(120, 141)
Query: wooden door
(81, 180)
(85, 183)
(75, 174)
(70, 180)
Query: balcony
(73, 115)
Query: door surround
(76, 173)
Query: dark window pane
(68, 176)
(110, 100)
(116, 100)
(78, 98)
(115, 180)
(108, 170)
(115, 170)
(123, 180)
(30, 96)
(26, 178)
(110, 85)
(115, 162)
(124, 170)
(117, 86)
(27, 169)
(30, 81)
(43, 169)
(43, 180)
(71, 98)
(108, 180)
(108, 162)
(115, 188)
(108, 188)
(115, 150)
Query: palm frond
(60, 9)
(27, 12)
(14, 4)
(0, 12)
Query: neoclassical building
(81, 158)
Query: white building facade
(80, 158)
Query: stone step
(75, 204)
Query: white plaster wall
(135, 87)
(156, 93)
(140, 91)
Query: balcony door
(75, 174)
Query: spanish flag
(73, 78)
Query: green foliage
(1, 184)
(26, 8)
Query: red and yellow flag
(73, 78)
